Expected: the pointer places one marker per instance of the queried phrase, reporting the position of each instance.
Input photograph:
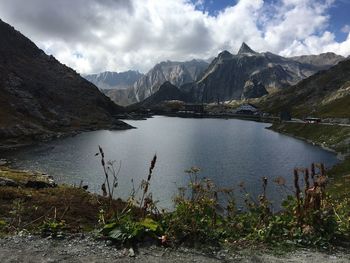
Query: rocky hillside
(114, 80)
(40, 96)
(250, 74)
(119, 96)
(177, 73)
(166, 92)
(325, 94)
(323, 61)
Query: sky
(92, 36)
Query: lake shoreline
(76, 195)
(14, 143)
(340, 156)
(227, 151)
(280, 128)
(332, 138)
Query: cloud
(98, 35)
(346, 29)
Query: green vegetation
(203, 214)
(332, 136)
(309, 217)
(337, 108)
(206, 214)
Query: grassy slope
(337, 108)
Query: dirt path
(86, 249)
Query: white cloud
(97, 35)
(346, 29)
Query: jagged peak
(225, 54)
(245, 49)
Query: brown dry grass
(78, 208)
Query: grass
(340, 186)
(21, 176)
(28, 208)
(332, 136)
(338, 108)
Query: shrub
(308, 217)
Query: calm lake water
(227, 151)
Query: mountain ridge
(326, 94)
(41, 97)
(177, 73)
(114, 80)
(228, 74)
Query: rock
(114, 80)
(166, 92)
(226, 76)
(177, 73)
(253, 89)
(3, 162)
(39, 184)
(131, 252)
(8, 182)
(245, 49)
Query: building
(247, 109)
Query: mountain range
(248, 74)
(114, 80)
(177, 73)
(40, 97)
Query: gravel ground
(86, 249)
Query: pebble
(131, 252)
(109, 243)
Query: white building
(247, 109)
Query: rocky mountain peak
(245, 49)
(225, 54)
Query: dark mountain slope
(40, 96)
(166, 92)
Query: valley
(187, 142)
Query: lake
(227, 151)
